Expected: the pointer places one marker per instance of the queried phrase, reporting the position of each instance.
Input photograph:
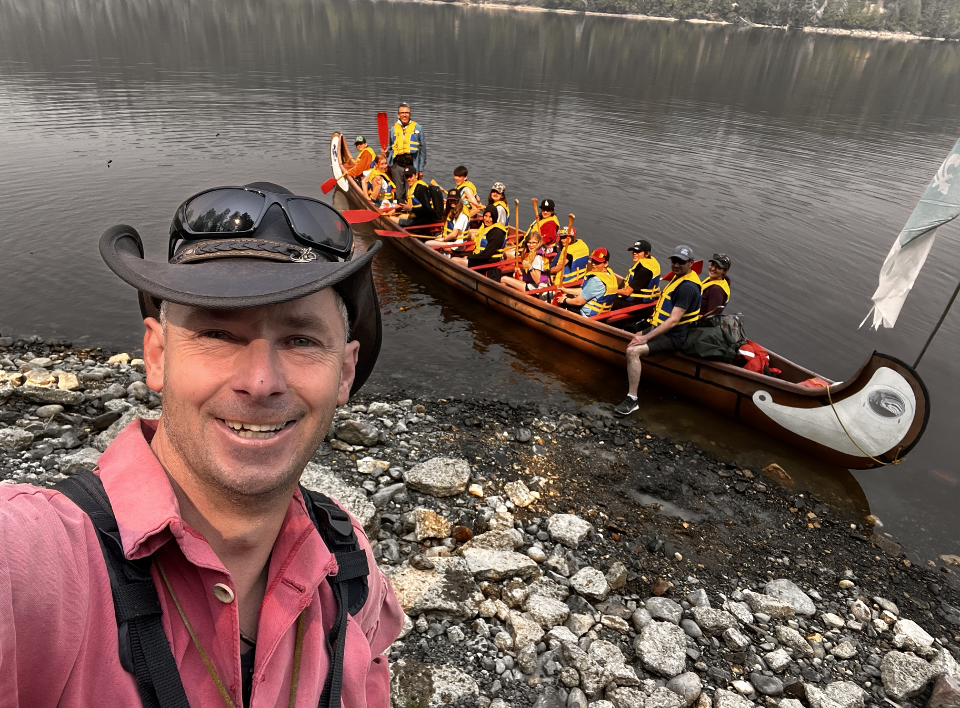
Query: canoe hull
(871, 419)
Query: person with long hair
(455, 222)
(377, 183)
(498, 198)
(533, 270)
(716, 288)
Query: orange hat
(600, 255)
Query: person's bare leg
(514, 283)
(634, 353)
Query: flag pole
(937, 328)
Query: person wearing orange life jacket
(641, 284)
(407, 148)
(363, 160)
(716, 288)
(677, 307)
(569, 266)
(377, 183)
(599, 288)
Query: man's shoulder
(38, 514)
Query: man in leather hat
(261, 323)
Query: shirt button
(223, 593)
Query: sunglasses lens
(320, 224)
(223, 211)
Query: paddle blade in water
(383, 131)
(328, 185)
(389, 234)
(359, 216)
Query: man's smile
(256, 430)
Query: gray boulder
(15, 439)
(687, 685)
(904, 675)
(729, 699)
(791, 638)
(910, 636)
(768, 605)
(788, 591)
(590, 583)
(439, 476)
(662, 647)
(493, 565)
(83, 459)
(662, 608)
(447, 591)
(713, 622)
(353, 499)
(107, 436)
(357, 432)
(547, 611)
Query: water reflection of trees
(214, 222)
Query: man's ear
(348, 371)
(154, 344)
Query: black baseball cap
(722, 260)
(641, 246)
(548, 204)
(409, 172)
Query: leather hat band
(240, 247)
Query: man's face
(411, 178)
(403, 114)
(596, 266)
(248, 394)
(361, 146)
(680, 267)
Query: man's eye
(215, 335)
(300, 342)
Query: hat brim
(235, 283)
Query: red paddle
(492, 265)
(383, 131)
(359, 216)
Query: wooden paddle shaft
(536, 212)
(570, 218)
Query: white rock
(562, 635)
(788, 591)
(740, 610)
(593, 676)
(624, 698)
(590, 583)
(777, 660)
(904, 675)
(662, 608)
(773, 606)
(713, 622)
(617, 624)
(817, 698)
(944, 663)
(910, 636)
(845, 693)
(493, 565)
(662, 647)
(439, 476)
(568, 529)
(523, 629)
(83, 459)
(833, 621)
(15, 439)
(793, 639)
(844, 650)
(743, 687)
(546, 611)
(353, 499)
(503, 540)
(663, 698)
(735, 639)
(427, 685)
(519, 494)
(427, 524)
(609, 656)
(579, 623)
(448, 590)
(729, 699)
(369, 465)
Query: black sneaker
(627, 406)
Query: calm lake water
(800, 156)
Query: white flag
(939, 204)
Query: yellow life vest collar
(722, 284)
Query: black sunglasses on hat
(236, 212)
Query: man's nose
(259, 372)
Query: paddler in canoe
(456, 223)
(641, 284)
(490, 241)
(377, 183)
(532, 269)
(598, 291)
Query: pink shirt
(58, 632)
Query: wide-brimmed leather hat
(265, 269)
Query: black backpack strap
(144, 648)
(349, 585)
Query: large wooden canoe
(875, 417)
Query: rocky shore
(557, 557)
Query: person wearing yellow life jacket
(455, 224)
(641, 284)
(490, 241)
(363, 160)
(407, 148)
(498, 198)
(599, 288)
(677, 307)
(569, 266)
(418, 204)
(716, 288)
(548, 225)
(377, 183)
(467, 191)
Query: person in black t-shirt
(678, 306)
